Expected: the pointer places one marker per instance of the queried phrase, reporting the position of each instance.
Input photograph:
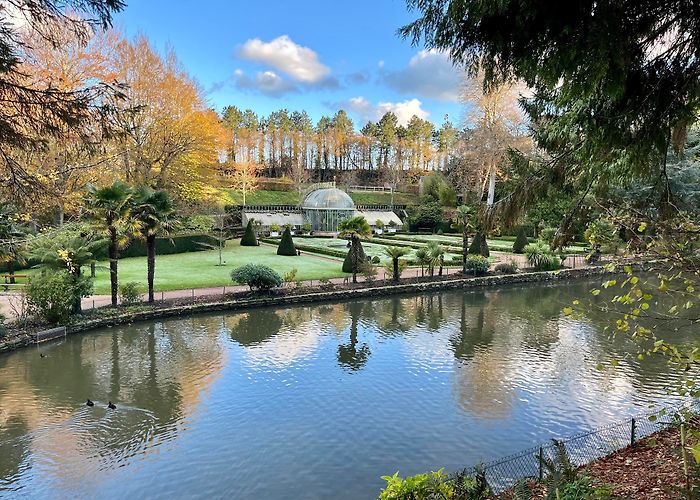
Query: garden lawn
(267, 197)
(201, 270)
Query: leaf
(568, 311)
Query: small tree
(347, 263)
(463, 219)
(249, 239)
(423, 259)
(396, 253)
(520, 241)
(257, 277)
(286, 246)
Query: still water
(310, 402)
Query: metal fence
(582, 448)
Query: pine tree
(286, 246)
(520, 241)
(249, 239)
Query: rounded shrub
(130, 293)
(478, 264)
(506, 267)
(286, 246)
(521, 241)
(540, 256)
(375, 259)
(257, 277)
(249, 239)
(52, 295)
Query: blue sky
(308, 54)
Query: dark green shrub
(375, 259)
(506, 267)
(3, 330)
(474, 245)
(347, 263)
(478, 264)
(548, 234)
(167, 246)
(257, 277)
(130, 293)
(540, 256)
(521, 241)
(286, 246)
(249, 239)
(53, 294)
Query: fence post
(633, 432)
(541, 457)
(224, 292)
(193, 293)
(162, 296)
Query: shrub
(602, 235)
(290, 276)
(540, 256)
(347, 263)
(52, 295)
(325, 284)
(521, 241)
(130, 293)
(479, 246)
(3, 330)
(478, 264)
(379, 224)
(419, 487)
(249, 239)
(306, 228)
(286, 246)
(199, 223)
(257, 277)
(510, 267)
(474, 245)
(369, 272)
(275, 228)
(548, 234)
(167, 246)
(375, 259)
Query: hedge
(167, 246)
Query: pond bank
(17, 338)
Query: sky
(318, 56)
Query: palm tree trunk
(113, 256)
(151, 264)
(11, 271)
(465, 248)
(354, 243)
(396, 269)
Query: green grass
(266, 197)
(201, 270)
(495, 244)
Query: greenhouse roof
(329, 199)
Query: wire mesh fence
(581, 448)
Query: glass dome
(328, 199)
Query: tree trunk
(151, 264)
(113, 256)
(465, 248)
(492, 187)
(11, 271)
(77, 301)
(396, 269)
(354, 243)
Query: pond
(310, 402)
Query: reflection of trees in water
(351, 355)
(392, 316)
(256, 327)
(156, 375)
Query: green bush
(540, 256)
(286, 246)
(376, 259)
(521, 241)
(479, 246)
(166, 246)
(602, 235)
(257, 277)
(290, 275)
(478, 264)
(306, 228)
(419, 487)
(130, 293)
(506, 267)
(275, 228)
(53, 294)
(347, 263)
(548, 234)
(474, 245)
(249, 239)
(3, 330)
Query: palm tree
(436, 257)
(356, 228)
(154, 213)
(109, 209)
(396, 253)
(423, 259)
(68, 249)
(13, 249)
(463, 219)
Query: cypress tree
(347, 263)
(249, 239)
(475, 246)
(286, 246)
(520, 241)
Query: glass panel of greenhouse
(324, 209)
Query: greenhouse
(325, 208)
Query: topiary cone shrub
(249, 239)
(347, 263)
(286, 246)
(474, 246)
(520, 241)
(483, 245)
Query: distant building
(323, 209)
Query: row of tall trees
(290, 144)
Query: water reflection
(211, 401)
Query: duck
(89, 402)
(111, 406)
(42, 355)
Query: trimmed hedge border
(319, 296)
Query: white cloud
(300, 63)
(430, 74)
(265, 82)
(403, 110)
